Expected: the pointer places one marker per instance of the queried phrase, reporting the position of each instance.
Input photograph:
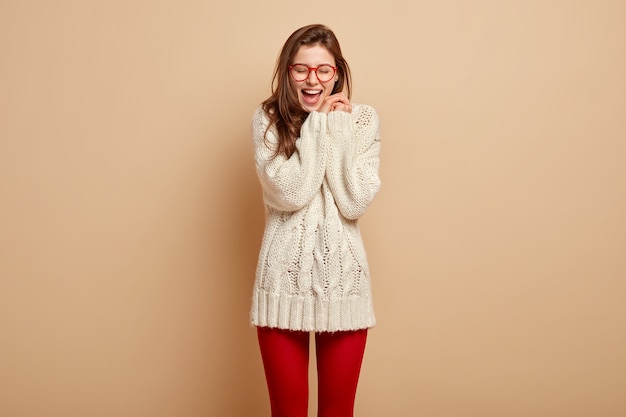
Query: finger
(343, 99)
(339, 98)
(342, 107)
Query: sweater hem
(304, 313)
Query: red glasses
(300, 72)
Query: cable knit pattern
(312, 273)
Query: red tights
(286, 361)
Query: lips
(311, 96)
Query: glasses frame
(314, 70)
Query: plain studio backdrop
(131, 215)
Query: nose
(312, 78)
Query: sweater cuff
(314, 125)
(339, 121)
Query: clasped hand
(336, 102)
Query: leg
(339, 358)
(286, 361)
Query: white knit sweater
(312, 273)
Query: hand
(336, 102)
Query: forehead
(313, 55)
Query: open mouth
(311, 97)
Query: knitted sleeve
(352, 171)
(290, 183)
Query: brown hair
(283, 108)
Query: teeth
(312, 91)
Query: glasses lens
(325, 73)
(299, 72)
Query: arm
(290, 183)
(353, 162)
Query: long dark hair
(283, 108)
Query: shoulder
(260, 121)
(365, 108)
(365, 117)
(262, 133)
(364, 113)
(259, 114)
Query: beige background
(131, 217)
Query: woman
(317, 158)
